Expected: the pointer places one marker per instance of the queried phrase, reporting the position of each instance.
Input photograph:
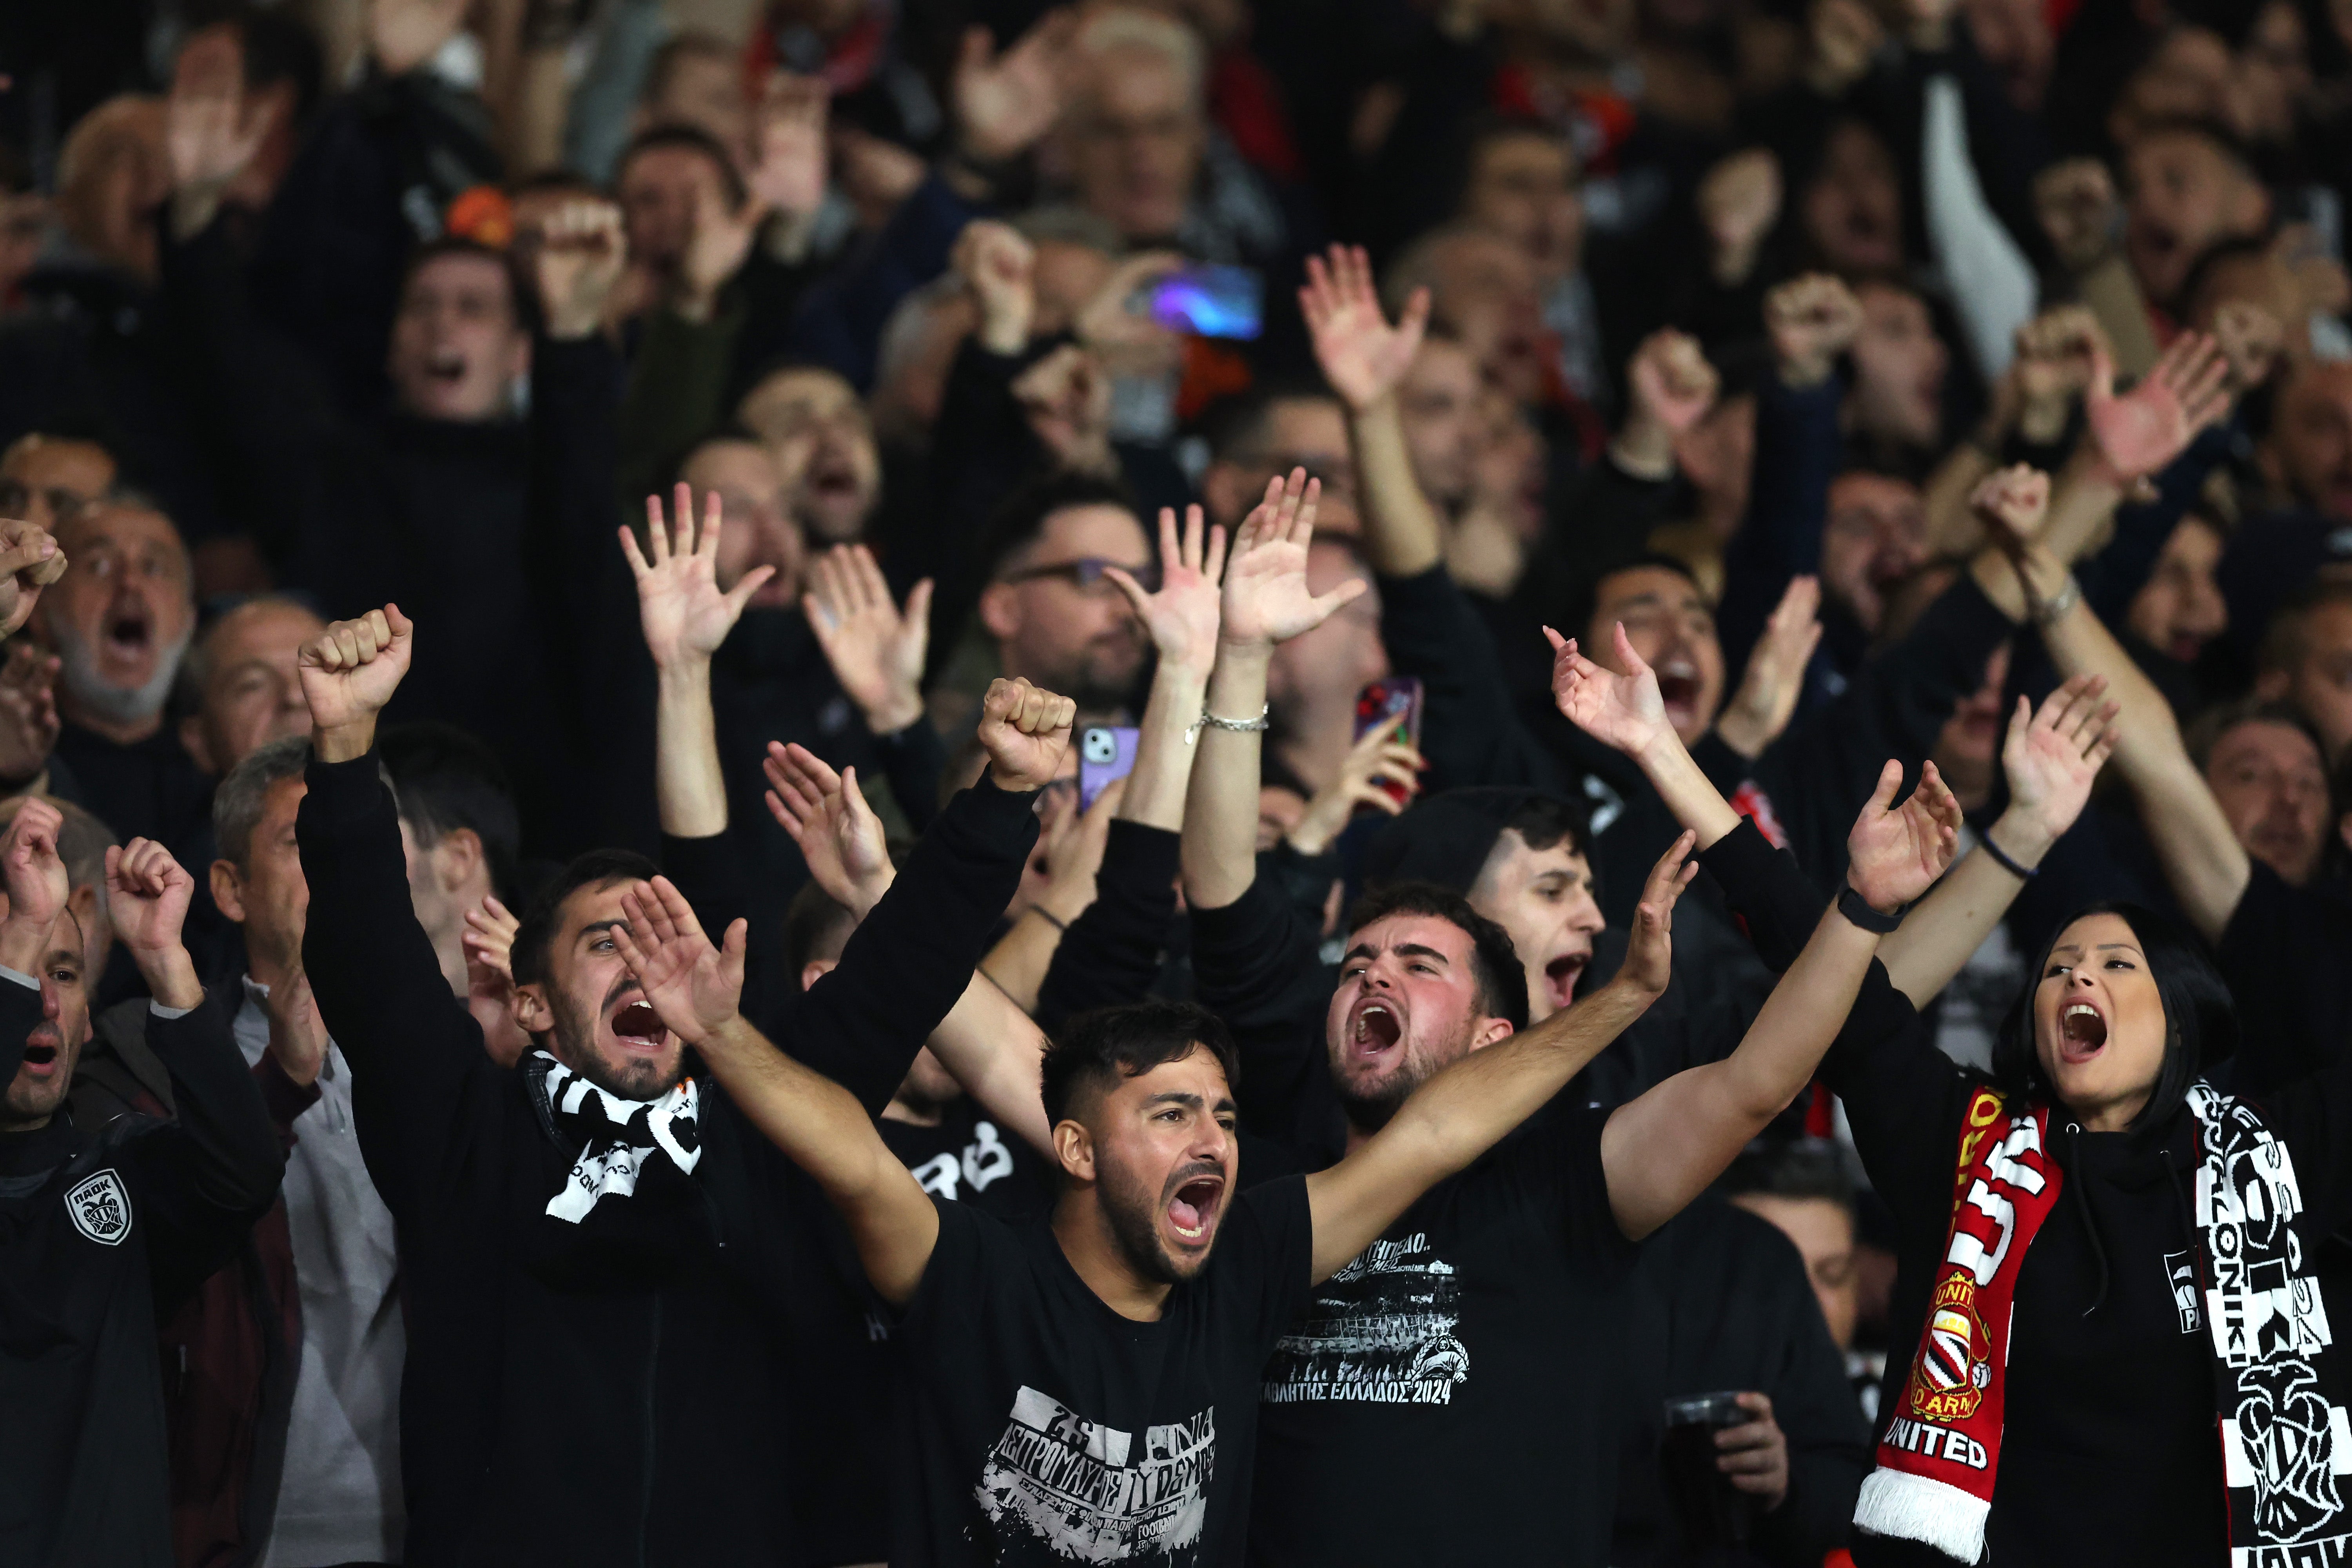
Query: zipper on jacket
(652, 1382)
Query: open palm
(2052, 757)
(1266, 600)
(827, 817)
(1363, 357)
(1623, 712)
(1895, 853)
(2144, 430)
(684, 615)
(694, 986)
(1182, 615)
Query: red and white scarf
(2283, 1442)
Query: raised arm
(2203, 858)
(684, 617)
(1465, 1109)
(820, 1126)
(2050, 758)
(1365, 358)
(1266, 602)
(987, 1043)
(1626, 712)
(207, 1177)
(1661, 1151)
(1182, 616)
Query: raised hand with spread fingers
(1364, 356)
(826, 815)
(2139, 435)
(1761, 710)
(876, 648)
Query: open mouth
(127, 634)
(2082, 1032)
(638, 1025)
(446, 369)
(1560, 976)
(1378, 1028)
(1193, 1211)
(40, 1057)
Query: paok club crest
(100, 1209)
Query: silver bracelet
(1237, 726)
(2066, 599)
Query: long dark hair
(2201, 1022)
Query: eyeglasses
(1088, 574)
(17, 500)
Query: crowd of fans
(721, 847)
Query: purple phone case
(1105, 756)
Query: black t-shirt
(969, 1159)
(1044, 1428)
(1473, 1344)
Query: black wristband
(1857, 909)
(2001, 857)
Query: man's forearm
(2202, 859)
(342, 742)
(992, 1048)
(1688, 792)
(1156, 784)
(1465, 1110)
(821, 1128)
(818, 1124)
(689, 790)
(170, 977)
(1661, 1151)
(1456, 1116)
(1402, 533)
(1220, 852)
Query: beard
(1368, 1107)
(575, 1047)
(1134, 1217)
(78, 669)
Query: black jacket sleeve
(1469, 732)
(909, 960)
(20, 1014)
(206, 1177)
(1256, 965)
(415, 1051)
(1110, 953)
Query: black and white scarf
(2286, 1446)
(622, 1142)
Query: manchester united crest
(100, 1209)
(1948, 1382)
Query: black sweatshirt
(2110, 1392)
(100, 1227)
(643, 1417)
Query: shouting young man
(598, 1250)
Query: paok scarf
(2283, 1444)
(617, 1137)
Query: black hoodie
(100, 1226)
(2109, 1450)
(607, 1407)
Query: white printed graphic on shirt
(1378, 1331)
(985, 1159)
(1083, 1492)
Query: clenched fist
(349, 672)
(1024, 729)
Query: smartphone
(1395, 705)
(1210, 300)
(1105, 756)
